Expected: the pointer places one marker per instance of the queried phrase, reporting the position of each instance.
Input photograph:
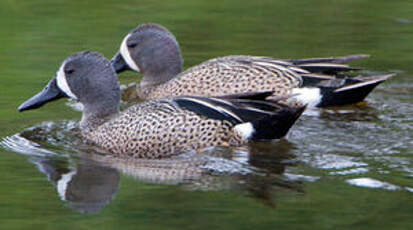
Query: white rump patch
(63, 182)
(245, 130)
(309, 96)
(124, 51)
(62, 82)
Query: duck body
(162, 127)
(319, 82)
(165, 127)
(228, 75)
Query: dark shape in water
(87, 188)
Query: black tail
(276, 125)
(337, 86)
(350, 90)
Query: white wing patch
(124, 51)
(62, 82)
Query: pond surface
(339, 168)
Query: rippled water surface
(339, 168)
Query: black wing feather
(234, 110)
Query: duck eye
(69, 71)
(132, 44)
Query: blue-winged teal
(154, 51)
(163, 127)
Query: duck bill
(50, 93)
(119, 64)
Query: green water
(304, 182)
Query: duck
(153, 50)
(164, 127)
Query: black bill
(50, 93)
(119, 63)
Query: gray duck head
(151, 50)
(87, 77)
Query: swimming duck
(154, 51)
(163, 127)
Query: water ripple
(366, 182)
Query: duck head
(151, 50)
(87, 77)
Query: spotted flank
(163, 75)
(165, 127)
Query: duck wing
(268, 119)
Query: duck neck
(159, 61)
(97, 113)
(148, 84)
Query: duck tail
(334, 92)
(352, 90)
(272, 126)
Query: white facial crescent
(62, 82)
(124, 51)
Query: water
(339, 168)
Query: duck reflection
(87, 187)
(88, 181)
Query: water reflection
(358, 112)
(86, 187)
(87, 181)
